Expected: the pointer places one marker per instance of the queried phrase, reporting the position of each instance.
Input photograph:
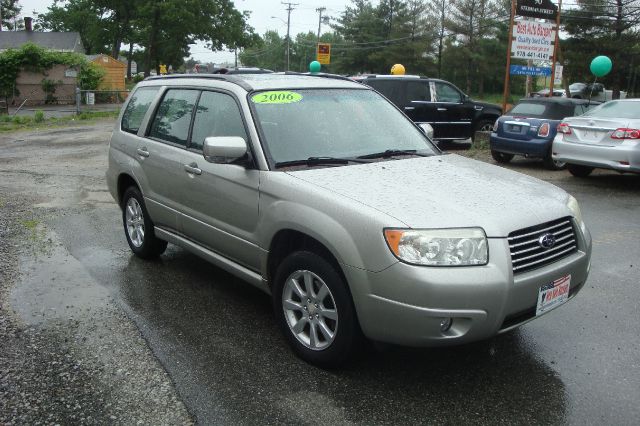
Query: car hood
(445, 191)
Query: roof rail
(319, 74)
(231, 78)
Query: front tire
(579, 171)
(314, 309)
(501, 157)
(138, 227)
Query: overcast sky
(304, 18)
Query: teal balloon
(601, 66)
(315, 66)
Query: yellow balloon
(397, 69)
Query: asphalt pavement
(178, 340)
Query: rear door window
(173, 117)
(418, 91)
(137, 108)
(217, 114)
(447, 93)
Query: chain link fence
(100, 100)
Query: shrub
(21, 119)
(38, 117)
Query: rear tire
(551, 164)
(315, 311)
(138, 227)
(579, 171)
(501, 157)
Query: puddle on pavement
(55, 286)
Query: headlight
(572, 204)
(439, 247)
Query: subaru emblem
(547, 241)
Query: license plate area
(553, 294)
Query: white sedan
(605, 137)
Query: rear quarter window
(137, 108)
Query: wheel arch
(125, 180)
(287, 241)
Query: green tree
(9, 10)
(471, 21)
(83, 16)
(603, 27)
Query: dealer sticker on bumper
(553, 294)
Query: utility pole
(320, 10)
(289, 9)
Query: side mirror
(224, 149)
(426, 129)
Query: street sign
(542, 9)
(163, 69)
(525, 70)
(558, 76)
(532, 40)
(323, 53)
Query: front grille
(528, 254)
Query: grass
(10, 123)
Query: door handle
(192, 169)
(409, 108)
(142, 152)
(442, 109)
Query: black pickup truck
(451, 113)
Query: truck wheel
(501, 157)
(579, 171)
(138, 227)
(315, 311)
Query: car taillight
(624, 133)
(564, 128)
(543, 131)
(495, 126)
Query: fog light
(445, 324)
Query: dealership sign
(532, 40)
(542, 9)
(524, 70)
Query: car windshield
(549, 110)
(577, 87)
(333, 123)
(615, 109)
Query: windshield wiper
(318, 161)
(394, 152)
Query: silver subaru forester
(322, 193)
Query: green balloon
(315, 66)
(601, 66)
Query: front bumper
(535, 147)
(406, 304)
(623, 158)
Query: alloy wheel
(135, 222)
(310, 310)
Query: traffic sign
(525, 70)
(323, 53)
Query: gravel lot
(90, 334)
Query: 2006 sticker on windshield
(276, 97)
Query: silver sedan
(606, 137)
